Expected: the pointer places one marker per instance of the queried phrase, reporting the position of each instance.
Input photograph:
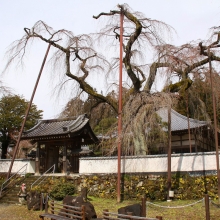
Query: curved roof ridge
(78, 122)
(178, 121)
(57, 126)
(35, 126)
(191, 119)
(59, 119)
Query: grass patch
(187, 209)
(195, 211)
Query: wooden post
(37, 160)
(41, 201)
(66, 210)
(52, 206)
(64, 158)
(46, 204)
(207, 212)
(83, 212)
(143, 207)
(130, 214)
(104, 214)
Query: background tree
(73, 108)
(12, 113)
(102, 116)
(79, 59)
(184, 62)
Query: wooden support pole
(207, 212)
(215, 124)
(143, 206)
(169, 154)
(189, 133)
(27, 112)
(120, 110)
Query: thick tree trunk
(4, 149)
(5, 139)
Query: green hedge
(185, 187)
(154, 188)
(57, 188)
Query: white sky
(190, 18)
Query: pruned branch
(105, 14)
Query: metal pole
(215, 126)
(169, 155)
(27, 112)
(120, 110)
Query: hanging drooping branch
(181, 61)
(73, 47)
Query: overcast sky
(190, 18)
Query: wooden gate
(74, 163)
(52, 157)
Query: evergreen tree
(12, 113)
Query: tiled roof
(56, 127)
(178, 121)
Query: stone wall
(147, 175)
(153, 187)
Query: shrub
(28, 175)
(57, 188)
(2, 178)
(60, 189)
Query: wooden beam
(37, 160)
(64, 158)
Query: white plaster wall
(188, 162)
(17, 165)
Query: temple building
(187, 133)
(61, 142)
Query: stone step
(12, 199)
(14, 192)
(11, 195)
